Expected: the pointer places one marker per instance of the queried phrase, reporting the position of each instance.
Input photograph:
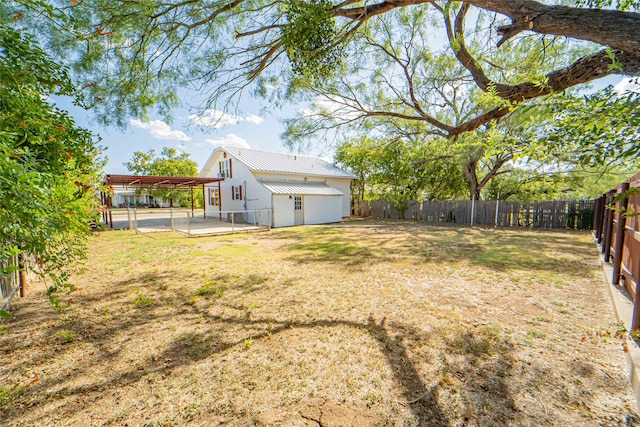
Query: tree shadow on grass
(499, 250)
(423, 400)
(332, 250)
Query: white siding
(282, 211)
(254, 195)
(322, 209)
(317, 209)
(344, 185)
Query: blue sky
(254, 124)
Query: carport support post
(620, 233)
(204, 203)
(191, 201)
(102, 213)
(109, 207)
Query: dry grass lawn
(362, 324)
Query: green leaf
(5, 315)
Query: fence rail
(617, 231)
(566, 214)
(196, 223)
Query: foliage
(168, 163)
(141, 301)
(67, 336)
(133, 56)
(308, 38)
(49, 167)
(207, 288)
(623, 5)
(404, 89)
(401, 170)
(433, 70)
(8, 395)
(600, 128)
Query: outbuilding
(297, 189)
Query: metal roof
(302, 188)
(265, 161)
(157, 181)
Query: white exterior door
(298, 211)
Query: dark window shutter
(220, 167)
(233, 193)
(230, 170)
(241, 192)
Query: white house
(128, 197)
(297, 189)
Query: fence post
(606, 246)
(233, 222)
(171, 215)
(23, 273)
(601, 217)
(620, 234)
(596, 218)
(188, 225)
(605, 221)
(135, 219)
(473, 208)
(635, 323)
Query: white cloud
(252, 118)
(217, 119)
(160, 130)
(229, 139)
(626, 84)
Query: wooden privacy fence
(571, 214)
(617, 230)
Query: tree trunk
(618, 30)
(472, 178)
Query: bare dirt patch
(364, 324)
